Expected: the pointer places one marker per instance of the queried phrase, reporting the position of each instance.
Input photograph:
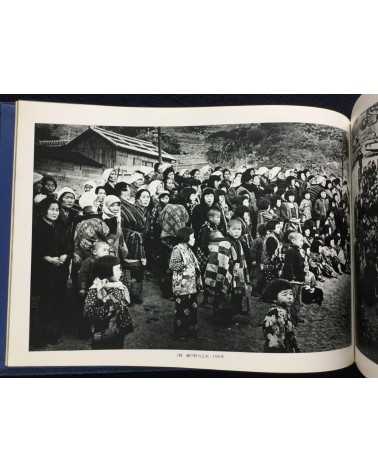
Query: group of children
(278, 233)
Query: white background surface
(197, 47)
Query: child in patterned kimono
(106, 305)
(226, 275)
(186, 283)
(278, 327)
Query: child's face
(115, 208)
(291, 198)
(222, 199)
(117, 273)
(247, 218)
(307, 232)
(235, 231)
(215, 219)
(285, 298)
(209, 199)
(68, 200)
(323, 194)
(307, 196)
(245, 202)
(101, 250)
(192, 240)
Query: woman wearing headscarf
(68, 217)
(134, 222)
(109, 178)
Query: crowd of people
(367, 233)
(211, 236)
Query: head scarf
(134, 177)
(108, 202)
(65, 190)
(106, 175)
(87, 199)
(37, 177)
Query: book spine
(7, 132)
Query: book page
(212, 238)
(365, 201)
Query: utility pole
(159, 144)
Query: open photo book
(228, 238)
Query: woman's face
(279, 203)
(222, 199)
(256, 180)
(52, 213)
(209, 199)
(144, 199)
(245, 202)
(115, 208)
(170, 184)
(113, 177)
(217, 183)
(68, 200)
(227, 175)
(171, 175)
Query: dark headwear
(121, 187)
(274, 288)
(140, 191)
(44, 205)
(183, 234)
(103, 267)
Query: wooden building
(87, 155)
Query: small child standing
(186, 283)
(294, 270)
(305, 208)
(106, 305)
(278, 327)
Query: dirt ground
(322, 329)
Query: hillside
(288, 145)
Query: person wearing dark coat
(50, 251)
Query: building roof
(132, 144)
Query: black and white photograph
(203, 238)
(365, 161)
